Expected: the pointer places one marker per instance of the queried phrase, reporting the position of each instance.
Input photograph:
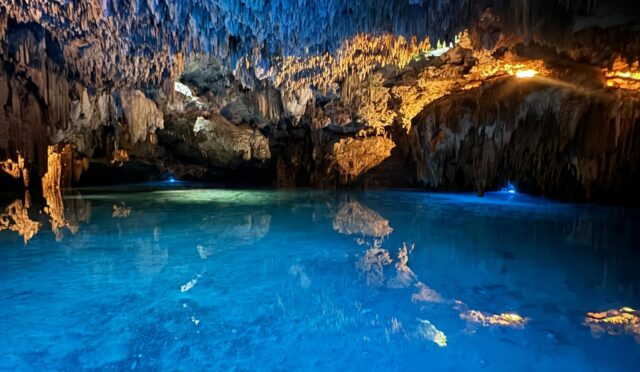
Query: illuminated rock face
(229, 145)
(330, 94)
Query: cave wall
(546, 138)
(326, 94)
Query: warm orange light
(16, 169)
(623, 75)
(529, 73)
(634, 75)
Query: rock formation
(549, 138)
(465, 95)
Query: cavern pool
(179, 277)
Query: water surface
(177, 277)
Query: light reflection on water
(149, 277)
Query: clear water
(197, 279)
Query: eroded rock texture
(548, 138)
(331, 94)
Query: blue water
(182, 278)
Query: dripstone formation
(446, 95)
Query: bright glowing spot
(610, 83)
(438, 52)
(183, 89)
(510, 189)
(172, 180)
(529, 73)
(248, 197)
(635, 75)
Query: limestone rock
(141, 115)
(351, 158)
(550, 139)
(227, 144)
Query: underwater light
(529, 73)
(172, 180)
(510, 189)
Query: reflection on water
(430, 332)
(426, 294)
(16, 218)
(121, 210)
(512, 320)
(372, 265)
(404, 275)
(615, 322)
(77, 211)
(298, 272)
(151, 257)
(248, 230)
(69, 214)
(233, 279)
(355, 219)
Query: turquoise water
(173, 277)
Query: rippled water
(180, 278)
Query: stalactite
(142, 116)
(507, 130)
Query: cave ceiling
(143, 42)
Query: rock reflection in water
(512, 320)
(254, 227)
(69, 216)
(76, 212)
(615, 322)
(354, 218)
(298, 272)
(150, 256)
(372, 265)
(426, 294)
(224, 231)
(16, 218)
(404, 275)
(63, 214)
(121, 210)
(429, 332)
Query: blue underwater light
(510, 189)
